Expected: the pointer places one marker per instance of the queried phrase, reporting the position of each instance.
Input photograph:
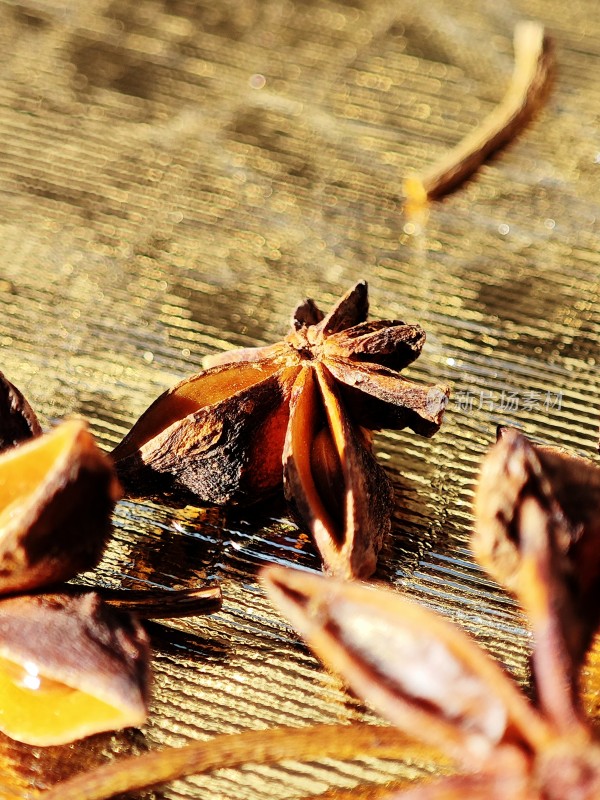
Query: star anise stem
(533, 60)
(157, 604)
(231, 750)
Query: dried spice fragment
(160, 604)
(529, 83)
(57, 493)
(234, 750)
(299, 412)
(426, 676)
(537, 533)
(69, 667)
(18, 421)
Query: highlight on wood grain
(232, 750)
(530, 79)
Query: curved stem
(232, 750)
(528, 84)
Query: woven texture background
(174, 177)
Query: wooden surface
(175, 176)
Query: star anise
(429, 678)
(537, 531)
(537, 526)
(300, 411)
(70, 666)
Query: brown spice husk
(60, 490)
(18, 421)
(247, 426)
(74, 641)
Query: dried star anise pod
(537, 532)
(302, 410)
(428, 678)
(69, 667)
(18, 421)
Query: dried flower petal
(57, 493)
(69, 667)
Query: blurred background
(175, 176)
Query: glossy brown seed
(18, 421)
(69, 667)
(57, 493)
(295, 414)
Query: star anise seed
(300, 413)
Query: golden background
(175, 176)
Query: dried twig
(231, 750)
(533, 61)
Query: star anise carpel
(297, 414)
(537, 532)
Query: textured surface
(174, 177)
